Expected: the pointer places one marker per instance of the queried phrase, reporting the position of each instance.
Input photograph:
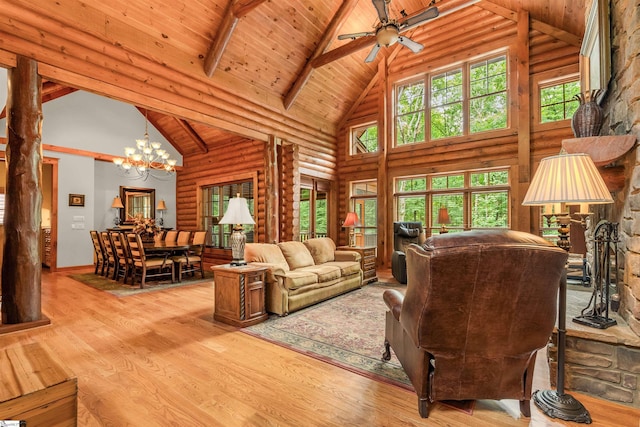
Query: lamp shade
(237, 212)
(117, 203)
(567, 178)
(443, 215)
(351, 220)
(161, 205)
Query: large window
(364, 202)
(466, 99)
(476, 199)
(215, 199)
(364, 139)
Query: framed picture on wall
(76, 199)
(595, 52)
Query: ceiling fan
(388, 31)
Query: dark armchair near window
(404, 233)
(477, 307)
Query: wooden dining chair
(148, 267)
(122, 269)
(98, 249)
(110, 255)
(183, 237)
(171, 236)
(191, 260)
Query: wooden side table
(239, 294)
(367, 261)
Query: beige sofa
(301, 274)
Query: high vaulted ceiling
(220, 68)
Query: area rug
(346, 331)
(121, 290)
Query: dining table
(163, 246)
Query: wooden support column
(521, 215)
(272, 192)
(385, 189)
(21, 269)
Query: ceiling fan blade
(373, 53)
(354, 35)
(414, 21)
(381, 7)
(414, 46)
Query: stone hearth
(604, 363)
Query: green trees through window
(557, 102)
(473, 199)
(464, 100)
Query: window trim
(425, 77)
(467, 191)
(219, 181)
(545, 79)
(360, 125)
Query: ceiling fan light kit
(388, 32)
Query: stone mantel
(604, 150)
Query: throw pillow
(296, 254)
(322, 249)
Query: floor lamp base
(564, 407)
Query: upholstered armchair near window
(404, 233)
(477, 307)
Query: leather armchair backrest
(478, 301)
(405, 233)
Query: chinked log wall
(547, 56)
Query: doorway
(314, 208)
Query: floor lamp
(567, 179)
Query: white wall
(88, 122)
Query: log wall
(475, 36)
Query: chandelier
(146, 159)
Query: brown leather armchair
(477, 308)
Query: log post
(272, 193)
(21, 269)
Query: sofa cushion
(322, 249)
(296, 254)
(298, 279)
(325, 272)
(268, 253)
(347, 268)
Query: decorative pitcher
(588, 118)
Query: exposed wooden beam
(193, 135)
(558, 33)
(341, 15)
(235, 10)
(344, 50)
(566, 37)
(50, 91)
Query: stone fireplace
(606, 362)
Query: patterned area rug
(121, 290)
(346, 331)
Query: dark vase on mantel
(588, 118)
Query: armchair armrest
(346, 255)
(394, 299)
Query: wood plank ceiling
(280, 58)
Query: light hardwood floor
(159, 359)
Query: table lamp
(565, 179)
(351, 221)
(443, 219)
(161, 208)
(117, 205)
(237, 214)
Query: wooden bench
(36, 387)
